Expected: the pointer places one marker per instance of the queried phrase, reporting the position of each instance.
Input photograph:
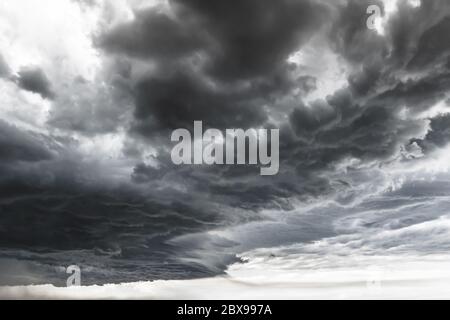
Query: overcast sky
(90, 91)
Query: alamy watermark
(374, 12)
(75, 276)
(214, 147)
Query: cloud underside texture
(225, 63)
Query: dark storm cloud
(94, 218)
(309, 120)
(440, 130)
(59, 205)
(413, 30)
(119, 235)
(153, 35)
(414, 40)
(55, 207)
(16, 145)
(365, 121)
(433, 45)
(351, 124)
(418, 95)
(53, 199)
(240, 40)
(219, 62)
(350, 36)
(225, 63)
(175, 101)
(361, 82)
(438, 136)
(238, 65)
(253, 38)
(410, 33)
(175, 98)
(34, 80)
(143, 173)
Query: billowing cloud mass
(89, 99)
(35, 80)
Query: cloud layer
(85, 169)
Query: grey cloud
(17, 145)
(153, 35)
(361, 82)
(438, 136)
(361, 121)
(307, 84)
(90, 109)
(411, 31)
(60, 213)
(432, 45)
(224, 63)
(308, 120)
(215, 59)
(114, 228)
(143, 173)
(178, 99)
(251, 37)
(417, 95)
(373, 128)
(57, 210)
(4, 68)
(34, 80)
(350, 36)
(344, 126)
